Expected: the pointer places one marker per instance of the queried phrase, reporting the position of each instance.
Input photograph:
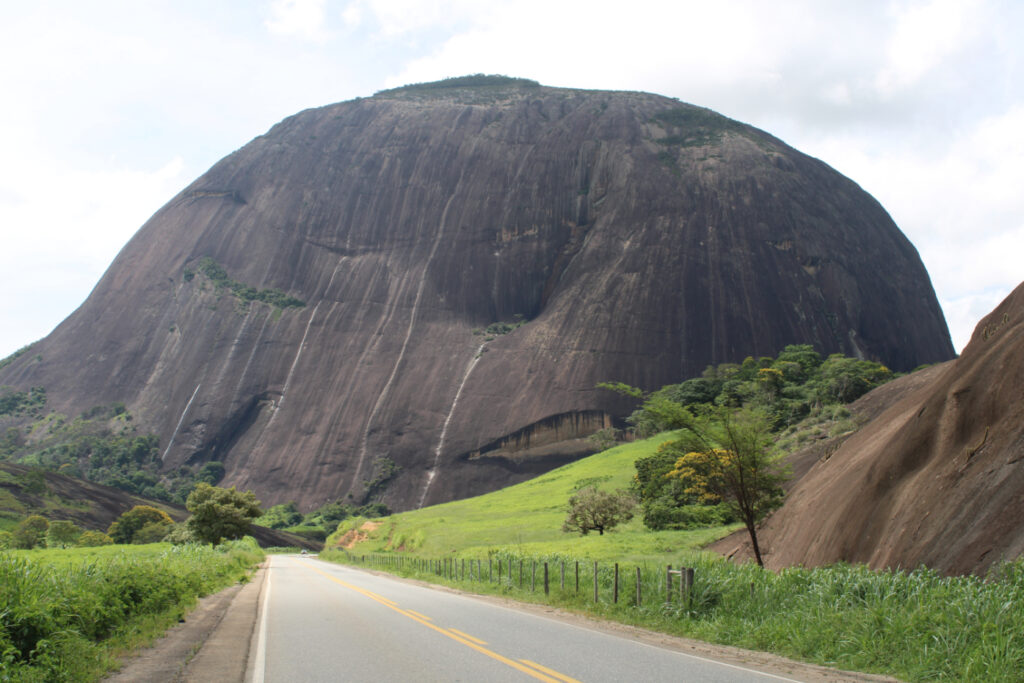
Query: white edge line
(260, 665)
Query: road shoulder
(211, 644)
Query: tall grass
(64, 613)
(918, 626)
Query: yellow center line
(417, 614)
(550, 672)
(467, 636)
(454, 636)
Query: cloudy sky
(110, 107)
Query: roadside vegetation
(67, 614)
(72, 600)
(917, 626)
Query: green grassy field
(66, 614)
(528, 518)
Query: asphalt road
(324, 622)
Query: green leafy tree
(125, 527)
(281, 516)
(93, 539)
(732, 458)
(220, 514)
(212, 472)
(31, 532)
(62, 534)
(842, 379)
(6, 540)
(180, 534)
(152, 532)
(605, 438)
(591, 509)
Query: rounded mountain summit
(411, 297)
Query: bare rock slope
(412, 296)
(936, 479)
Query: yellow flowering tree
(733, 459)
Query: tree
(92, 539)
(281, 516)
(843, 380)
(220, 514)
(180, 534)
(62, 534)
(732, 458)
(127, 526)
(31, 532)
(605, 438)
(594, 510)
(212, 472)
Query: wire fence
(607, 582)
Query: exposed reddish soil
(936, 478)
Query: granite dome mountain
(412, 296)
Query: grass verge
(917, 626)
(65, 615)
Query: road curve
(325, 622)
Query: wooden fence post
(668, 585)
(595, 582)
(563, 576)
(520, 572)
(577, 576)
(545, 578)
(615, 590)
(638, 586)
(490, 570)
(533, 575)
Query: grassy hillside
(528, 517)
(28, 491)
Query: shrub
(93, 539)
(128, 525)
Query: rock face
(620, 236)
(937, 479)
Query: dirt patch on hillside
(352, 537)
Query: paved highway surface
(325, 622)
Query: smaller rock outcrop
(937, 479)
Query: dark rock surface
(639, 238)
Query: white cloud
(305, 19)
(62, 228)
(919, 101)
(925, 34)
